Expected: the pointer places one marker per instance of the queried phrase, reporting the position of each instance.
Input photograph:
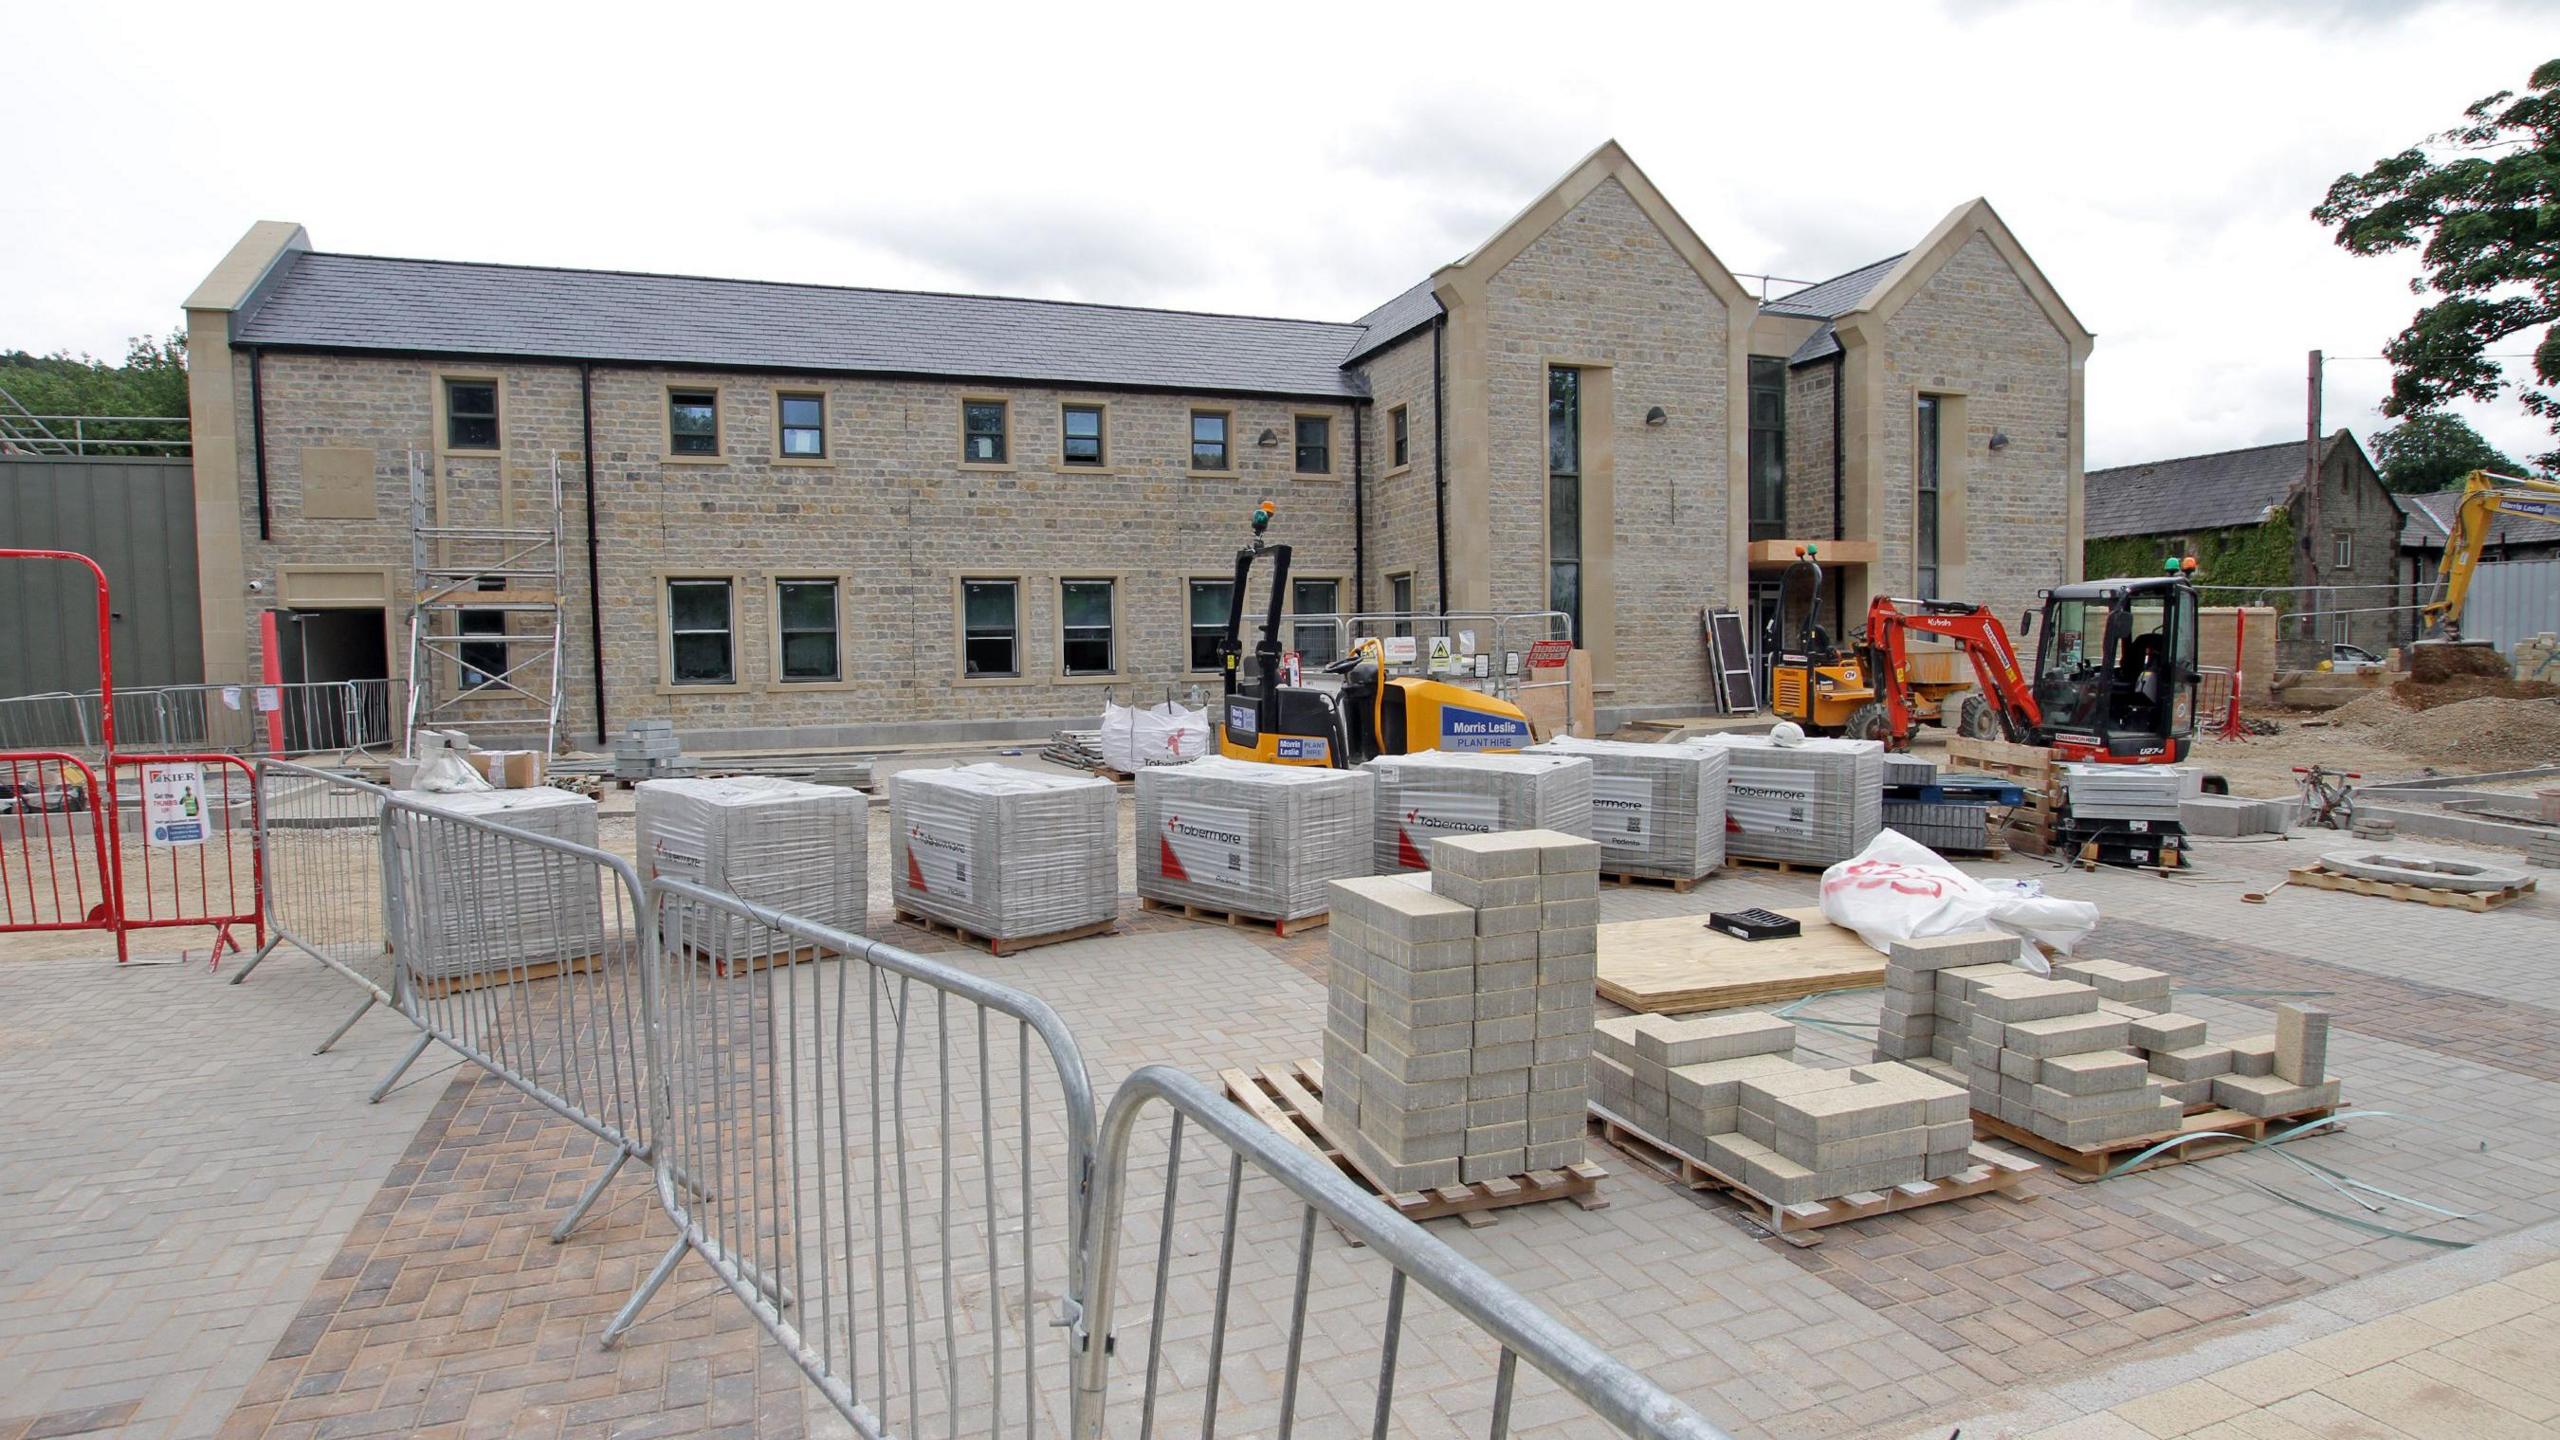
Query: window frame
(719, 451)
(1119, 671)
(1021, 672)
(782, 456)
(1399, 439)
(1776, 452)
(1191, 442)
(2342, 549)
(462, 650)
(1102, 439)
(1412, 588)
(1004, 438)
(445, 380)
(666, 581)
(1289, 618)
(776, 632)
(1190, 627)
(1297, 461)
(1928, 492)
(1580, 562)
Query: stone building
(802, 514)
(2243, 515)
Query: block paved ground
(219, 1232)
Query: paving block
(1569, 914)
(2189, 1092)
(1568, 885)
(2165, 1032)
(1495, 1110)
(2195, 1062)
(2045, 1100)
(1559, 853)
(1488, 857)
(1908, 1143)
(2066, 1035)
(1847, 1112)
(1579, 940)
(2019, 1065)
(2302, 1044)
(1872, 1176)
(1485, 893)
(1561, 1155)
(1760, 1094)
(1950, 952)
(2094, 1072)
(1401, 911)
(1963, 980)
(1717, 1083)
(1495, 1166)
(2160, 1119)
(2254, 1055)
(2031, 998)
(2264, 1095)
(2116, 980)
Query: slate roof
(1826, 301)
(2426, 520)
(2198, 492)
(1393, 321)
(330, 301)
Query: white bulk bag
(1166, 734)
(1899, 889)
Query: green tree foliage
(2481, 205)
(2433, 450)
(152, 381)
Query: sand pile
(2381, 707)
(2484, 734)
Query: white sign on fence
(173, 804)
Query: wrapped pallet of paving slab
(1809, 801)
(1656, 810)
(2129, 792)
(1004, 854)
(469, 902)
(790, 845)
(1433, 793)
(1257, 840)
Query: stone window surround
(960, 411)
(1120, 674)
(774, 681)
(1596, 395)
(825, 397)
(1955, 469)
(1332, 448)
(1110, 464)
(1190, 446)
(1022, 673)
(443, 381)
(1399, 417)
(719, 393)
(737, 582)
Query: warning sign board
(1550, 654)
(173, 804)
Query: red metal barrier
(208, 867)
(57, 857)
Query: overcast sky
(2159, 161)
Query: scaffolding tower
(497, 675)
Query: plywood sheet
(1676, 965)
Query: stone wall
(1811, 390)
(1403, 533)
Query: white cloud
(2160, 163)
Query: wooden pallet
(724, 965)
(1781, 867)
(2318, 877)
(1290, 1099)
(1236, 918)
(1675, 965)
(1992, 1173)
(1676, 884)
(2094, 1164)
(994, 946)
(436, 987)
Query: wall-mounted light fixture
(1657, 417)
(1999, 439)
(1269, 438)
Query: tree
(2433, 450)
(152, 381)
(2483, 211)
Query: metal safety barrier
(1479, 1316)
(344, 717)
(323, 878)
(56, 870)
(209, 871)
(883, 1157)
(528, 956)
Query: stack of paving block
(467, 902)
(2042, 1056)
(2182, 1060)
(648, 750)
(1656, 810)
(1909, 770)
(1929, 987)
(1004, 854)
(1425, 796)
(2123, 989)
(794, 846)
(1250, 839)
(1725, 1090)
(1812, 802)
(1458, 1038)
(2224, 816)
(2128, 792)
(2284, 1073)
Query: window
(693, 422)
(982, 424)
(1315, 445)
(1209, 440)
(1564, 493)
(1768, 448)
(484, 662)
(2343, 544)
(1924, 515)
(1317, 645)
(1399, 438)
(1080, 429)
(701, 640)
(1209, 602)
(470, 414)
(990, 629)
(1085, 644)
(1400, 599)
(805, 618)
(803, 428)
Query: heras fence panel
(882, 1156)
(1244, 1318)
(528, 955)
(323, 876)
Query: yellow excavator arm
(2483, 495)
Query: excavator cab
(1811, 681)
(2116, 669)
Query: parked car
(2347, 659)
